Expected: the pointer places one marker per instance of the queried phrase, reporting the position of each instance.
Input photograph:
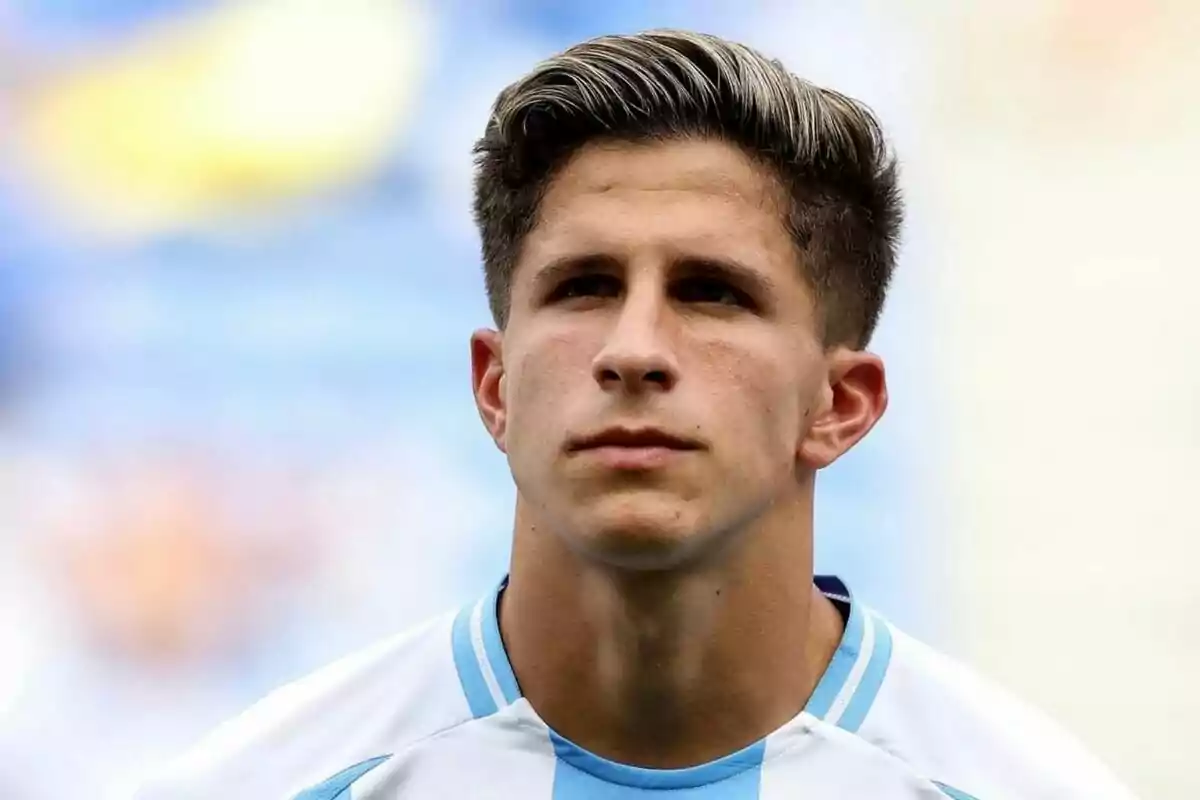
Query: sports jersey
(437, 713)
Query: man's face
(661, 368)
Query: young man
(686, 251)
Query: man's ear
(487, 382)
(852, 401)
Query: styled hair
(826, 150)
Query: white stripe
(856, 672)
(485, 666)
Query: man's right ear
(487, 382)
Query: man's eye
(588, 286)
(712, 291)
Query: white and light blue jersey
(437, 713)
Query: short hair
(827, 150)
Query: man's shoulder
(366, 706)
(963, 730)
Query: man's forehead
(692, 195)
(704, 166)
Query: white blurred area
(237, 277)
(1060, 166)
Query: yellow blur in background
(214, 113)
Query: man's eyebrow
(729, 269)
(559, 269)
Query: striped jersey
(437, 713)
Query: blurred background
(238, 274)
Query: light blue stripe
(872, 679)
(470, 676)
(838, 671)
(338, 787)
(493, 645)
(580, 775)
(954, 794)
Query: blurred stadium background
(237, 275)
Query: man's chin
(665, 540)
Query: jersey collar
(843, 696)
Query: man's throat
(677, 685)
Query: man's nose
(638, 355)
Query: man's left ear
(852, 401)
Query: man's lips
(633, 449)
(633, 439)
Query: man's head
(686, 248)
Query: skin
(660, 608)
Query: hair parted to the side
(827, 151)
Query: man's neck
(667, 669)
